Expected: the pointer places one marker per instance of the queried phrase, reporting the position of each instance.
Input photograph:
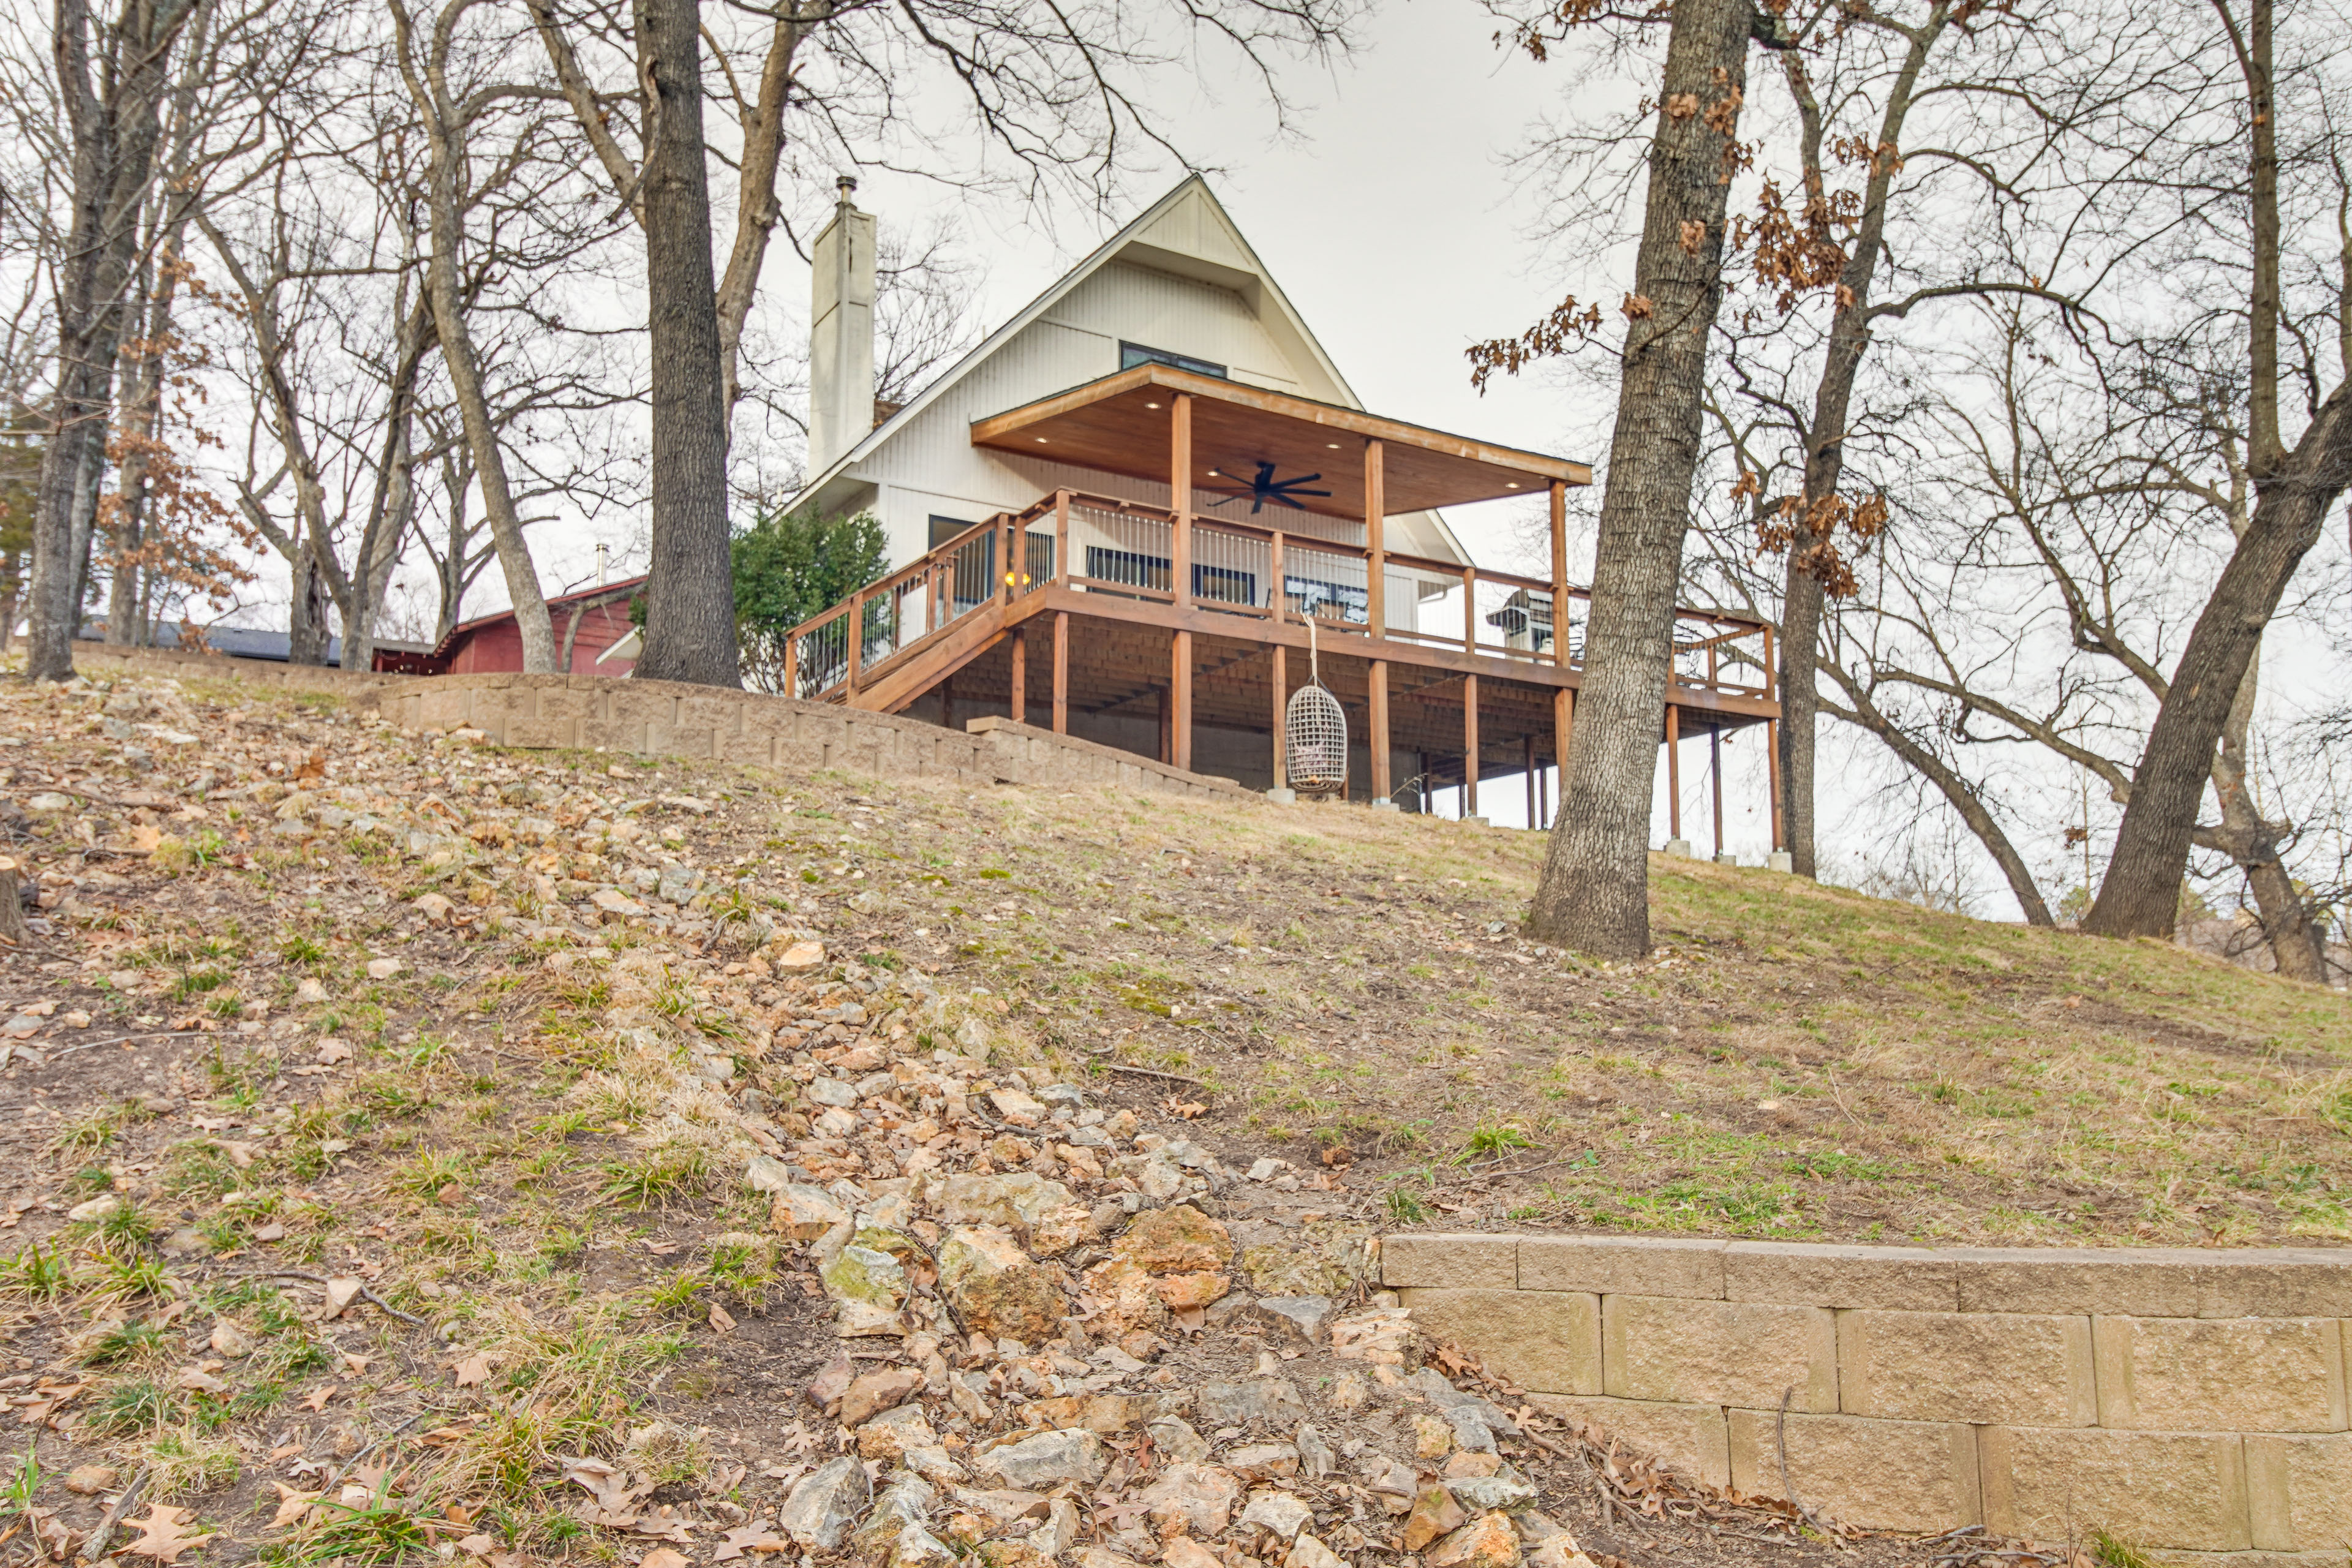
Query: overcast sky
(1391, 222)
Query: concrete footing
(1384, 805)
(1679, 849)
(1282, 797)
(1781, 860)
(1726, 859)
(1473, 822)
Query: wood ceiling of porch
(1120, 424)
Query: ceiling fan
(1265, 487)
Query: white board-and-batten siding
(1181, 280)
(929, 467)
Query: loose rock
(825, 1503)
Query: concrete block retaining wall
(659, 718)
(2193, 1403)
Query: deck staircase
(897, 638)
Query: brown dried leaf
(165, 1533)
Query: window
(944, 529)
(1133, 354)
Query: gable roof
(1186, 232)
(586, 598)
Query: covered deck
(1180, 631)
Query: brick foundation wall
(2193, 1403)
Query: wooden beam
(1773, 776)
(1061, 534)
(1279, 683)
(1061, 672)
(1528, 746)
(1179, 685)
(1559, 580)
(1564, 729)
(1469, 745)
(1180, 501)
(1376, 734)
(1020, 698)
(1376, 510)
(1674, 772)
(1715, 772)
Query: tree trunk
(306, 628)
(1801, 703)
(1802, 599)
(444, 131)
(690, 585)
(1594, 893)
(114, 128)
(2140, 894)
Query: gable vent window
(1133, 354)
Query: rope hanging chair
(1314, 733)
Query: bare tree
(2292, 489)
(451, 111)
(2084, 515)
(112, 79)
(1045, 84)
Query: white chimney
(841, 346)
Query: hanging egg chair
(1315, 733)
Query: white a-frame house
(1178, 287)
(1139, 509)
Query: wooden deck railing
(1102, 545)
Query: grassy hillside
(314, 1006)
(1794, 1061)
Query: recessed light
(1041, 440)
(1214, 475)
(1510, 484)
(1333, 445)
(1152, 405)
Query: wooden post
(1772, 774)
(1543, 797)
(1019, 704)
(1378, 737)
(1559, 588)
(857, 640)
(1469, 609)
(1164, 730)
(1714, 771)
(1061, 672)
(947, 702)
(1376, 507)
(1061, 534)
(1674, 772)
(1469, 745)
(1179, 499)
(1281, 685)
(1180, 686)
(1528, 755)
(792, 667)
(1008, 534)
(1275, 596)
(1563, 726)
